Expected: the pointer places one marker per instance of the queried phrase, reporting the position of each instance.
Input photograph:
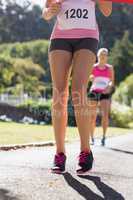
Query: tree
(22, 23)
(121, 58)
(114, 26)
(20, 75)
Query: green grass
(15, 133)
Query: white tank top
(77, 14)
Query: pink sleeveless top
(101, 78)
(76, 20)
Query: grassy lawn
(15, 133)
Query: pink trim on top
(74, 33)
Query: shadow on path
(121, 151)
(5, 195)
(108, 192)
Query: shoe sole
(87, 172)
(84, 173)
(58, 172)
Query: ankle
(87, 150)
(60, 152)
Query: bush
(122, 116)
(124, 93)
(24, 65)
(40, 111)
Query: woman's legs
(105, 109)
(93, 114)
(60, 62)
(82, 64)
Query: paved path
(24, 174)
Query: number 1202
(77, 13)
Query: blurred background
(25, 82)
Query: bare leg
(82, 64)
(105, 108)
(93, 115)
(60, 62)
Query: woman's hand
(91, 78)
(107, 90)
(53, 9)
(105, 7)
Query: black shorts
(94, 96)
(73, 45)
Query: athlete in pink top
(74, 42)
(102, 78)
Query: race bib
(77, 14)
(100, 83)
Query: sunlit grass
(16, 133)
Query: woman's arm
(51, 9)
(91, 76)
(112, 77)
(105, 7)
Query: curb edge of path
(22, 146)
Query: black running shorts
(94, 96)
(73, 45)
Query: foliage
(124, 93)
(121, 58)
(20, 75)
(40, 111)
(122, 119)
(21, 22)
